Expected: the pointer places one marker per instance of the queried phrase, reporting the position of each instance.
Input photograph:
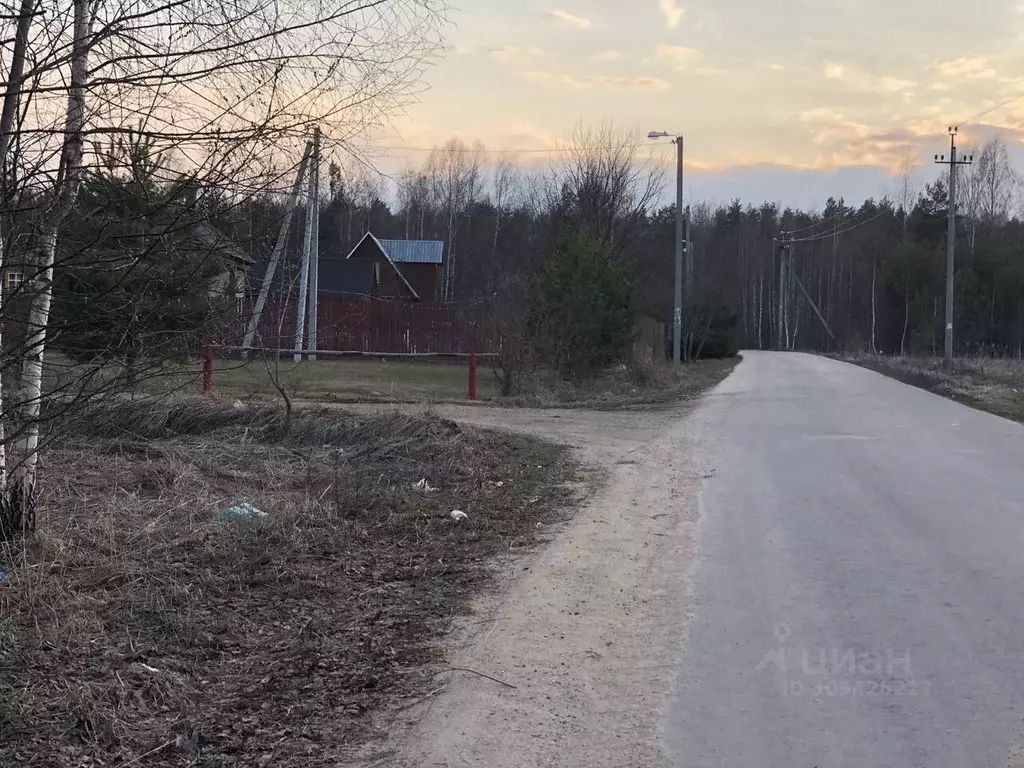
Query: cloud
(638, 84)
(676, 54)
(570, 19)
(865, 81)
(672, 11)
(835, 72)
(897, 85)
(977, 68)
(821, 115)
(607, 56)
(514, 53)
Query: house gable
(369, 247)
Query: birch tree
(455, 177)
(227, 91)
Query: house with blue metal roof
(409, 269)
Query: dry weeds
(626, 386)
(137, 630)
(995, 385)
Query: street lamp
(677, 318)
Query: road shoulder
(590, 635)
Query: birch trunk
(12, 99)
(21, 493)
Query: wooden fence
(369, 326)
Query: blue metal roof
(415, 251)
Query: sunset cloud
(514, 53)
(570, 82)
(672, 12)
(977, 68)
(570, 19)
(676, 54)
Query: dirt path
(590, 629)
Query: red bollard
(208, 370)
(472, 374)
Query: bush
(715, 334)
(582, 313)
(516, 364)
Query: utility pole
(279, 246)
(677, 315)
(688, 285)
(953, 162)
(307, 242)
(314, 260)
(783, 250)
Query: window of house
(13, 278)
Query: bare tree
(908, 189)
(602, 185)
(505, 187)
(455, 177)
(222, 91)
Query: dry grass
(328, 381)
(995, 385)
(625, 387)
(400, 381)
(136, 629)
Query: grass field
(339, 381)
(142, 624)
(404, 381)
(328, 381)
(995, 385)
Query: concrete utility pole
(279, 246)
(688, 284)
(307, 243)
(783, 250)
(677, 315)
(953, 162)
(314, 257)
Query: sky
(790, 101)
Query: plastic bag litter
(424, 486)
(243, 511)
(458, 515)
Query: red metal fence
(371, 326)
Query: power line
(990, 110)
(531, 151)
(836, 233)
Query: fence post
(208, 370)
(472, 374)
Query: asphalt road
(860, 582)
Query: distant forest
(876, 272)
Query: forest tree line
(875, 272)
